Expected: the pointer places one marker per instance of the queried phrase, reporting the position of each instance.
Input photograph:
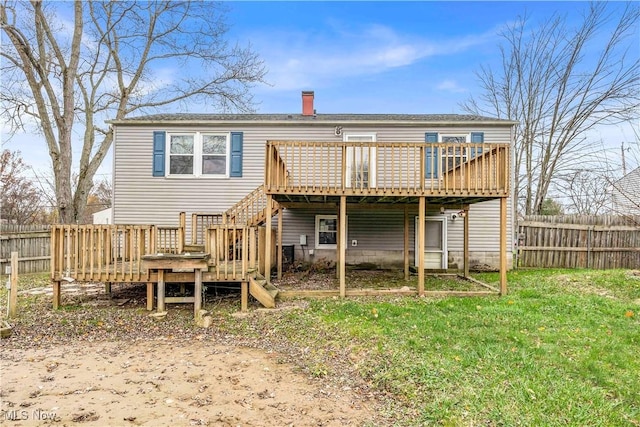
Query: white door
(361, 162)
(435, 246)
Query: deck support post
(13, 280)
(267, 240)
(338, 244)
(503, 246)
(161, 291)
(149, 296)
(107, 289)
(406, 243)
(56, 294)
(244, 296)
(279, 243)
(197, 292)
(342, 244)
(466, 241)
(421, 230)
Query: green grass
(561, 349)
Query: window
(214, 154)
(437, 158)
(453, 156)
(181, 153)
(326, 231)
(361, 161)
(199, 154)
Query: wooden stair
(193, 248)
(251, 210)
(262, 291)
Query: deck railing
(113, 253)
(169, 240)
(101, 252)
(382, 168)
(251, 210)
(200, 223)
(233, 249)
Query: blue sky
(371, 57)
(378, 57)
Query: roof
(326, 119)
(630, 176)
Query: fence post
(13, 293)
(589, 247)
(182, 231)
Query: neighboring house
(383, 166)
(103, 217)
(625, 194)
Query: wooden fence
(32, 245)
(579, 241)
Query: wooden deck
(296, 172)
(115, 253)
(375, 172)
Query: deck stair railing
(250, 210)
(200, 222)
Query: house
(394, 190)
(625, 194)
(103, 217)
(168, 163)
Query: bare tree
(65, 77)
(103, 192)
(20, 200)
(559, 82)
(99, 199)
(585, 191)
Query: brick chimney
(307, 103)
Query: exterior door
(435, 247)
(361, 162)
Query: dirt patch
(102, 360)
(161, 382)
(371, 279)
(583, 284)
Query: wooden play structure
(237, 246)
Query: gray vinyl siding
(484, 228)
(380, 230)
(140, 198)
(387, 235)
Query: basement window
(327, 231)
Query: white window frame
(198, 155)
(464, 150)
(351, 153)
(319, 245)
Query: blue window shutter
(476, 138)
(159, 144)
(431, 158)
(236, 154)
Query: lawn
(561, 349)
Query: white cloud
(450, 86)
(298, 60)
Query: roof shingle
(193, 118)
